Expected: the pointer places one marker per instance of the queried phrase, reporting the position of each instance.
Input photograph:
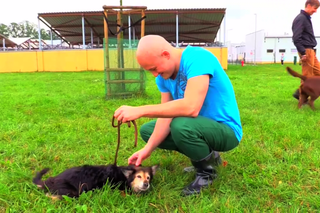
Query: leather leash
(313, 67)
(135, 135)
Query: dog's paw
(54, 197)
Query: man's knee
(180, 128)
(146, 130)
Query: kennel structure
(124, 77)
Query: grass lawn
(59, 120)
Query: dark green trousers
(194, 137)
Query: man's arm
(297, 29)
(189, 106)
(162, 127)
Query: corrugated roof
(8, 42)
(195, 25)
(20, 40)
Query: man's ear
(165, 54)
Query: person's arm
(162, 127)
(189, 106)
(297, 29)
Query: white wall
(240, 51)
(276, 44)
(283, 43)
(251, 38)
(236, 51)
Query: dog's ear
(154, 169)
(127, 171)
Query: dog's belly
(312, 89)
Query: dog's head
(139, 177)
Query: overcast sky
(273, 16)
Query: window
(269, 50)
(282, 50)
(294, 50)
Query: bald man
(198, 115)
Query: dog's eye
(138, 176)
(148, 178)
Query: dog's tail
(295, 74)
(38, 178)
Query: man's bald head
(156, 54)
(152, 45)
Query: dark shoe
(205, 174)
(296, 94)
(217, 162)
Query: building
(188, 26)
(236, 52)
(83, 33)
(263, 48)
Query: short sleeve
(200, 62)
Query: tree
(4, 30)
(14, 30)
(25, 29)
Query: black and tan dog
(74, 181)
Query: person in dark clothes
(305, 41)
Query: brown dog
(310, 87)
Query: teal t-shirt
(220, 103)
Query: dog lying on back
(310, 87)
(74, 181)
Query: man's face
(158, 65)
(311, 9)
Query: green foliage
(61, 120)
(25, 29)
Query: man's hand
(304, 58)
(127, 113)
(139, 156)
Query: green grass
(59, 120)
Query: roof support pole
(143, 23)
(177, 30)
(4, 44)
(91, 37)
(83, 34)
(39, 33)
(129, 24)
(224, 29)
(51, 38)
(53, 30)
(255, 39)
(134, 34)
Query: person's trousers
(194, 137)
(311, 66)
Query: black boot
(296, 94)
(217, 162)
(205, 174)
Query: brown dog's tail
(38, 178)
(295, 74)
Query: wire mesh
(123, 75)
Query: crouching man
(198, 115)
